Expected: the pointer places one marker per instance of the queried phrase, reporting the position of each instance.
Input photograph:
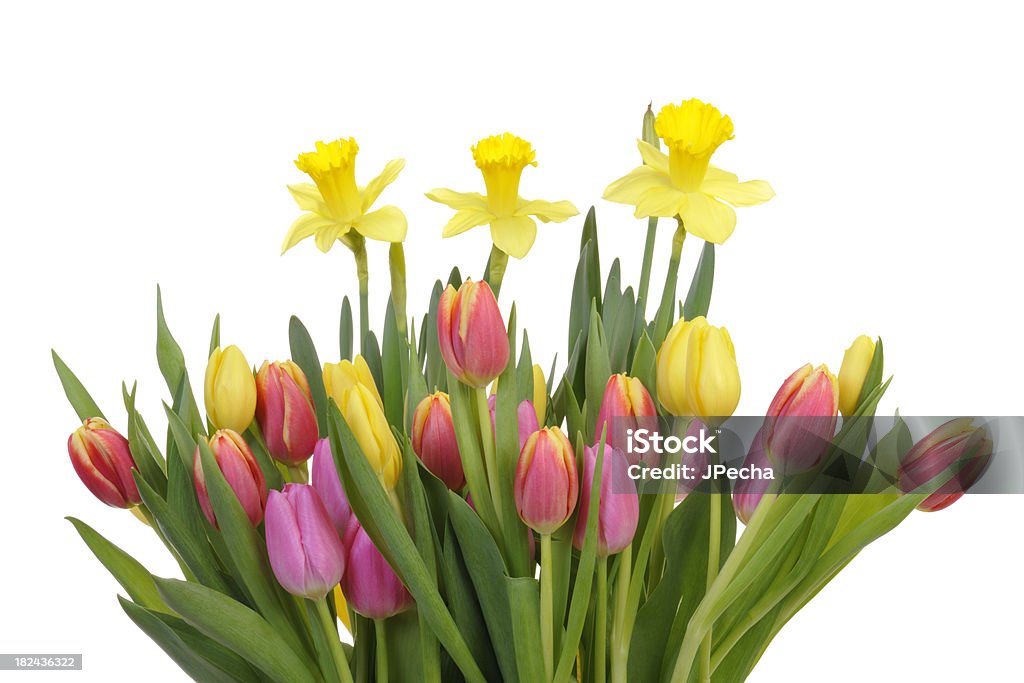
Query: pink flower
(370, 584)
(526, 417)
(104, 463)
(546, 485)
(802, 419)
(626, 405)
(305, 552)
(951, 458)
(433, 440)
(328, 486)
(284, 411)
(619, 508)
(471, 333)
(240, 470)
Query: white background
(144, 144)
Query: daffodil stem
(330, 631)
(666, 311)
(363, 274)
(547, 610)
(380, 636)
(645, 271)
(601, 622)
(620, 625)
(490, 458)
(496, 271)
(396, 260)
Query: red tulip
(546, 484)
(240, 470)
(285, 413)
(951, 457)
(433, 440)
(104, 463)
(471, 333)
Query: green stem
(396, 260)
(645, 271)
(621, 625)
(363, 274)
(380, 637)
(714, 548)
(666, 311)
(328, 625)
(601, 622)
(298, 474)
(490, 458)
(547, 610)
(496, 272)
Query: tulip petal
(653, 156)
(514, 235)
(547, 211)
(308, 197)
(386, 224)
(458, 200)
(306, 225)
(377, 185)
(284, 544)
(325, 556)
(464, 219)
(726, 186)
(707, 218)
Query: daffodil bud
(951, 458)
(626, 405)
(546, 484)
(230, 390)
(471, 333)
(433, 440)
(697, 371)
(240, 470)
(619, 507)
(104, 463)
(284, 412)
(852, 372)
(370, 584)
(305, 552)
(802, 419)
(328, 486)
(365, 417)
(526, 419)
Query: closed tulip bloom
(618, 509)
(104, 463)
(229, 390)
(697, 371)
(951, 459)
(344, 375)
(285, 413)
(370, 584)
(526, 418)
(328, 486)
(546, 484)
(240, 470)
(471, 333)
(747, 493)
(852, 372)
(802, 419)
(305, 552)
(433, 440)
(626, 405)
(366, 419)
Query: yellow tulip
(230, 390)
(852, 372)
(344, 375)
(365, 417)
(697, 371)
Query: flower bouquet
(468, 516)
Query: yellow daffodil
(501, 159)
(682, 183)
(335, 206)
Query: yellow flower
(229, 390)
(338, 377)
(697, 372)
(682, 183)
(501, 159)
(853, 372)
(335, 205)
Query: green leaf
(79, 398)
(455, 278)
(345, 330)
(172, 365)
(465, 420)
(524, 598)
(304, 354)
(393, 389)
(271, 473)
(645, 361)
(144, 450)
(589, 234)
(435, 369)
(598, 370)
(698, 298)
(620, 337)
(873, 378)
(464, 605)
(371, 354)
(215, 335)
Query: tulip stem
(396, 260)
(496, 271)
(490, 459)
(645, 271)
(547, 606)
(363, 274)
(601, 622)
(380, 637)
(330, 629)
(714, 551)
(620, 623)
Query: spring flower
(526, 419)
(341, 376)
(335, 206)
(471, 333)
(284, 412)
(229, 390)
(682, 183)
(626, 405)
(802, 419)
(951, 459)
(546, 484)
(501, 159)
(697, 371)
(853, 371)
(619, 507)
(104, 463)
(305, 552)
(328, 486)
(747, 493)
(433, 440)
(370, 584)
(240, 470)
(362, 411)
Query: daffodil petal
(631, 187)
(547, 211)
(304, 226)
(308, 197)
(708, 218)
(458, 200)
(653, 156)
(464, 220)
(329, 234)
(514, 235)
(386, 224)
(660, 201)
(726, 186)
(377, 185)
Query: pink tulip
(619, 508)
(802, 419)
(626, 405)
(471, 333)
(546, 485)
(240, 470)
(328, 486)
(526, 417)
(953, 456)
(104, 463)
(370, 584)
(747, 493)
(433, 440)
(305, 552)
(285, 413)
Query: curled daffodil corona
(335, 207)
(682, 183)
(501, 159)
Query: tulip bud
(618, 509)
(240, 470)
(626, 405)
(284, 411)
(305, 552)
(230, 390)
(852, 372)
(953, 456)
(526, 417)
(747, 493)
(433, 440)
(471, 333)
(104, 463)
(697, 372)
(328, 486)
(344, 375)
(546, 485)
(802, 419)
(370, 584)
(365, 417)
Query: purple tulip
(305, 552)
(619, 508)
(953, 456)
(748, 492)
(370, 584)
(328, 486)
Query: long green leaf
(698, 298)
(304, 355)
(85, 407)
